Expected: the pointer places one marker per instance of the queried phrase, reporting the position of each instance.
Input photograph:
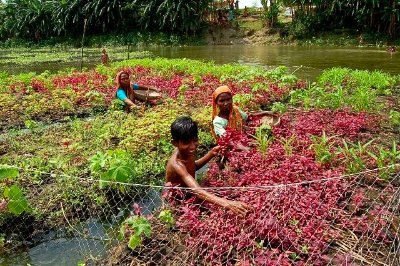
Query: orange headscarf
(235, 118)
(129, 91)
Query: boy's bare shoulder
(173, 163)
(175, 170)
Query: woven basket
(270, 119)
(146, 95)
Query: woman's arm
(142, 87)
(261, 113)
(121, 95)
(129, 102)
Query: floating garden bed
(323, 183)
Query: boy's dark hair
(184, 128)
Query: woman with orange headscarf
(225, 114)
(125, 90)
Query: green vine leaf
(167, 218)
(120, 172)
(17, 203)
(98, 161)
(134, 241)
(7, 171)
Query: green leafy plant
(301, 97)
(116, 105)
(363, 99)
(30, 124)
(136, 227)
(263, 138)
(276, 74)
(288, 144)
(394, 118)
(242, 100)
(112, 166)
(322, 148)
(13, 195)
(333, 76)
(304, 249)
(167, 218)
(354, 155)
(278, 107)
(294, 256)
(386, 160)
(288, 79)
(344, 88)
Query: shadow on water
(73, 244)
(60, 248)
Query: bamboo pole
(83, 40)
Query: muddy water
(73, 245)
(307, 61)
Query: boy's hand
(215, 151)
(237, 207)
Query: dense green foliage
(376, 16)
(44, 18)
(63, 19)
(343, 88)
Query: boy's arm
(235, 206)
(206, 158)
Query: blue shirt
(121, 94)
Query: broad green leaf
(120, 172)
(166, 217)
(6, 192)
(17, 202)
(104, 180)
(14, 193)
(18, 206)
(134, 241)
(139, 224)
(7, 171)
(142, 226)
(98, 161)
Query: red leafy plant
(298, 206)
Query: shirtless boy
(182, 165)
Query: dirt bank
(234, 35)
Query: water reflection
(307, 61)
(311, 59)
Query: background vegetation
(46, 18)
(63, 19)
(310, 16)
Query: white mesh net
(336, 220)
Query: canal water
(307, 62)
(77, 244)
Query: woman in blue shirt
(125, 90)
